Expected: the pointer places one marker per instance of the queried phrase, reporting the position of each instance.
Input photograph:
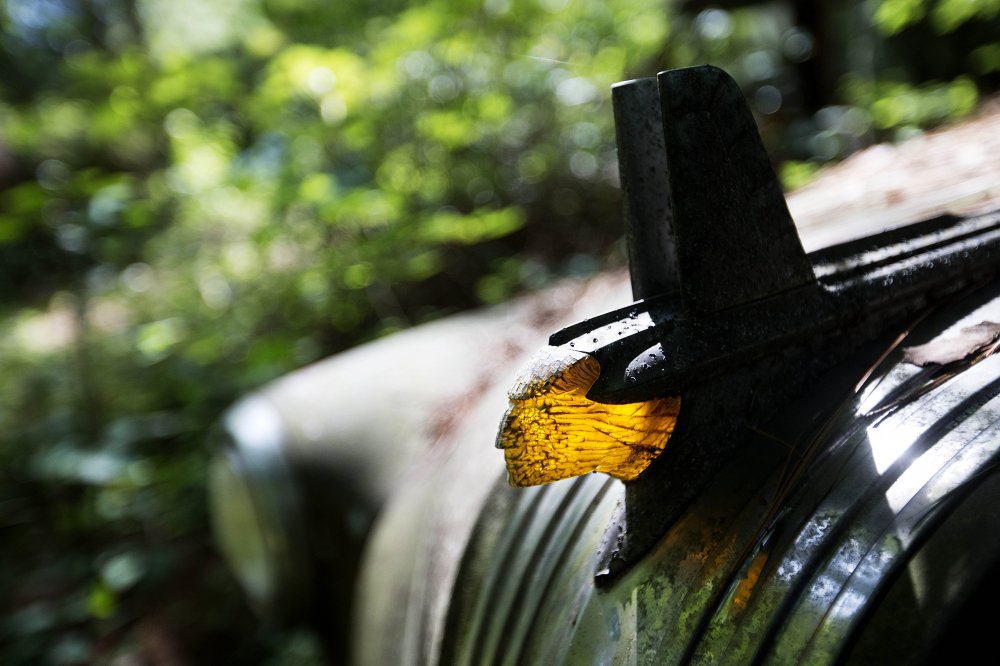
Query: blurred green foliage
(196, 197)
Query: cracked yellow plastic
(552, 431)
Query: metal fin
(735, 239)
(642, 164)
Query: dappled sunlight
(198, 197)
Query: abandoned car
(795, 452)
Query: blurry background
(199, 196)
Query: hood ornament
(732, 317)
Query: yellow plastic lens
(553, 431)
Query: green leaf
(102, 602)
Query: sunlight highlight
(552, 431)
